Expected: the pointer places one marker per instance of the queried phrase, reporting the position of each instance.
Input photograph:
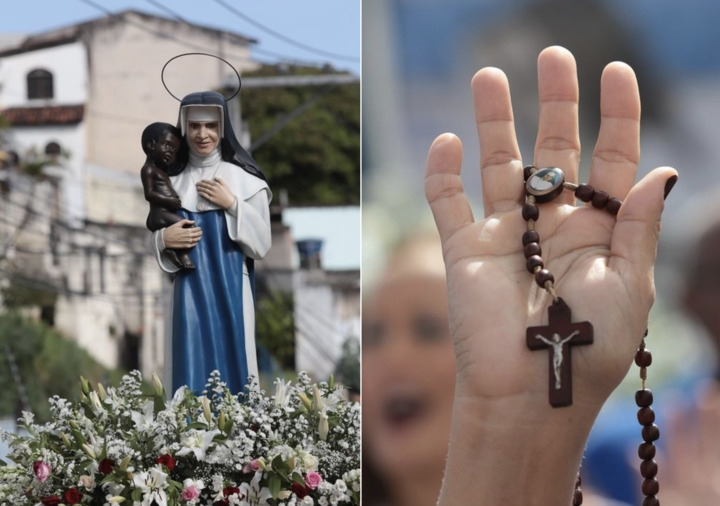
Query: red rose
(299, 490)
(228, 491)
(106, 466)
(52, 500)
(72, 496)
(167, 461)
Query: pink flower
(313, 479)
(190, 493)
(42, 470)
(191, 489)
(251, 466)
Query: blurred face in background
(408, 365)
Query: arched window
(52, 149)
(39, 84)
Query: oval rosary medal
(545, 184)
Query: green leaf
(278, 463)
(297, 478)
(274, 484)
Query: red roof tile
(49, 115)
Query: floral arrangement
(119, 446)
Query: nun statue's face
(203, 136)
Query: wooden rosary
(558, 337)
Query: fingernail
(669, 185)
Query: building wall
(69, 168)
(67, 63)
(327, 312)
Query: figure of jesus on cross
(577, 333)
(557, 344)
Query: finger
(500, 160)
(443, 187)
(617, 152)
(184, 223)
(558, 138)
(634, 240)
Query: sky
(331, 28)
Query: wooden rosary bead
(577, 494)
(646, 451)
(530, 236)
(532, 249)
(651, 501)
(650, 486)
(648, 469)
(643, 358)
(613, 206)
(600, 199)
(644, 398)
(584, 192)
(577, 497)
(646, 416)
(650, 433)
(530, 212)
(534, 262)
(528, 171)
(543, 276)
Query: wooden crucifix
(558, 337)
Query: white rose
(310, 462)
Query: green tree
(316, 156)
(48, 364)
(275, 326)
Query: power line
(167, 10)
(285, 38)
(287, 118)
(185, 43)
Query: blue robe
(207, 319)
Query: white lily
(323, 426)
(197, 442)
(152, 484)
(253, 494)
(144, 421)
(281, 390)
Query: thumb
(638, 223)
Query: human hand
(216, 191)
(603, 266)
(182, 235)
(603, 269)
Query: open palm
(603, 265)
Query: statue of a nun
(225, 199)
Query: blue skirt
(208, 330)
